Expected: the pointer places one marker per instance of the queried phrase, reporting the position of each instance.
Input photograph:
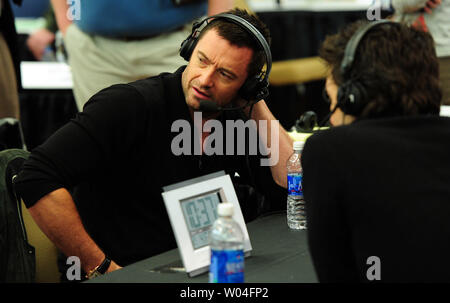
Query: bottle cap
(298, 145)
(225, 209)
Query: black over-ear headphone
(255, 88)
(352, 96)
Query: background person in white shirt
(432, 16)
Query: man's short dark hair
(240, 37)
(396, 64)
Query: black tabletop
(279, 255)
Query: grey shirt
(438, 22)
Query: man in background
(431, 16)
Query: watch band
(100, 269)
(103, 267)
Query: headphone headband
(255, 88)
(254, 32)
(250, 28)
(352, 96)
(352, 45)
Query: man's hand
(57, 216)
(38, 41)
(431, 4)
(113, 267)
(413, 6)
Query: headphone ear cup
(351, 98)
(341, 97)
(187, 47)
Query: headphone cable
(327, 118)
(252, 179)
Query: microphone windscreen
(208, 106)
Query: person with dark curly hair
(376, 184)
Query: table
(279, 255)
(41, 75)
(46, 101)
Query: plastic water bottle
(296, 216)
(227, 248)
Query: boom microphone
(210, 106)
(327, 118)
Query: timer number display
(200, 213)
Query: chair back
(11, 135)
(26, 254)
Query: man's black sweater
(116, 156)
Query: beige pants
(444, 70)
(98, 62)
(9, 97)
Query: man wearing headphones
(376, 185)
(95, 186)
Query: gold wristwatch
(100, 269)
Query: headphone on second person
(254, 88)
(352, 97)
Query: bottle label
(295, 184)
(227, 266)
